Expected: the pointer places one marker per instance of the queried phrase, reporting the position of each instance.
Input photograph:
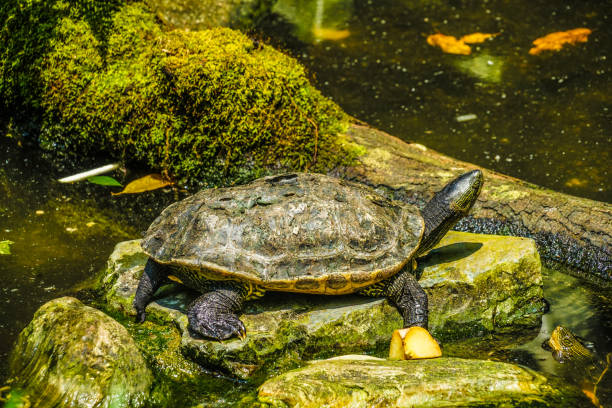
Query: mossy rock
(362, 381)
(476, 284)
(208, 107)
(72, 355)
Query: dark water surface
(543, 118)
(62, 234)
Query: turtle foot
(215, 313)
(215, 325)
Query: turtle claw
(217, 326)
(140, 316)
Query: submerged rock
(476, 284)
(72, 355)
(200, 15)
(363, 381)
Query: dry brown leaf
(146, 183)
(476, 38)
(449, 44)
(555, 41)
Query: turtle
(295, 232)
(584, 366)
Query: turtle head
(566, 346)
(461, 193)
(448, 206)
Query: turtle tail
(448, 206)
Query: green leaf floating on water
(5, 247)
(104, 181)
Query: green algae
(204, 14)
(204, 106)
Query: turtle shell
(294, 232)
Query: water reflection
(546, 118)
(316, 20)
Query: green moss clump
(27, 30)
(204, 106)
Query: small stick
(90, 173)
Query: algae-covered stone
(72, 355)
(476, 284)
(361, 381)
(482, 283)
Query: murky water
(543, 118)
(61, 234)
(583, 309)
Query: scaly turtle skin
(584, 367)
(565, 346)
(296, 232)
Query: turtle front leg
(215, 313)
(406, 294)
(152, 278)
(409, 298)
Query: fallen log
(572, 232)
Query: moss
(205, 106)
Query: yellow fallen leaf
(476, 38)
(449, 44)
(555, 41)
(146, 183)
(592, 397)
(330, 34)
(576, 182)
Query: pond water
(61, 234)
(542, 118)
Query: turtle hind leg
(215, 313)
(406, 294)
(152, 278)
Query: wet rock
(476, 284)
(72, 355)
(363, 381)
(480, 283)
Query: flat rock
(476, 284)
(74, 356)
(361, 381)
